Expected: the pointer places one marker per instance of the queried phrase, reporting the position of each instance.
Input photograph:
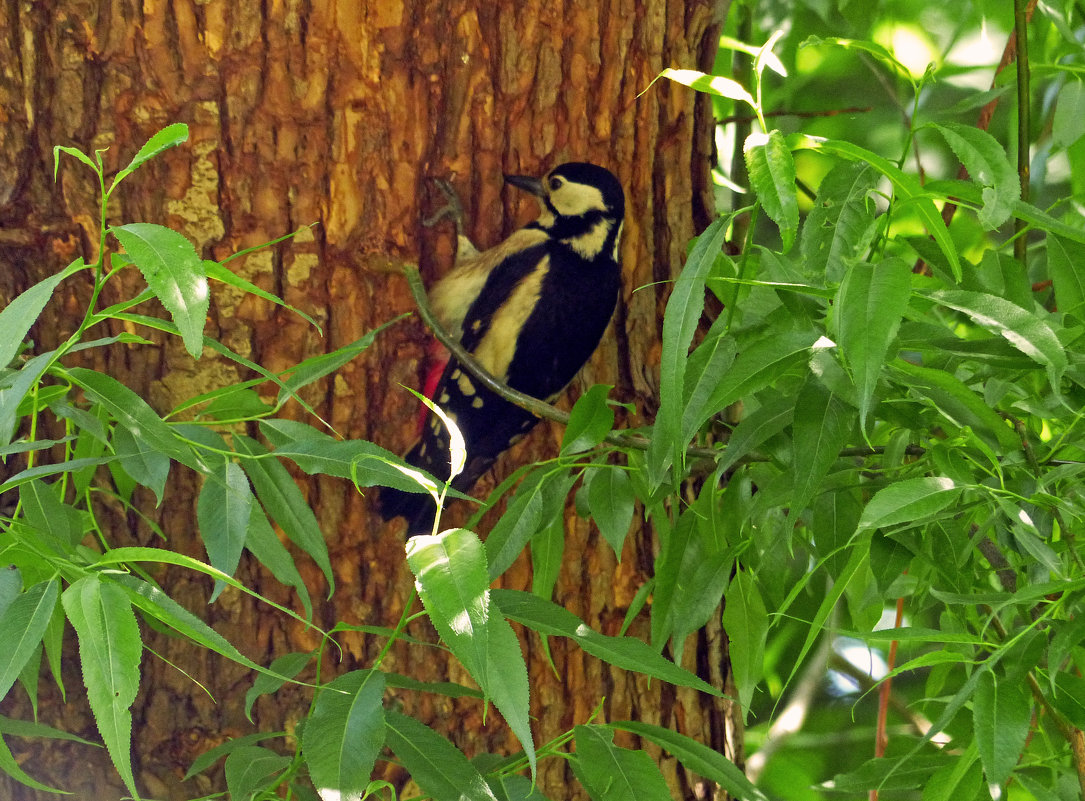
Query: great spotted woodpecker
(531, 310)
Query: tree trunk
(341, 114)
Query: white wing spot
(477, 403)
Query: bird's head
(577, 198)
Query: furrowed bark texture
(340, 114)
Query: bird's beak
(527, 183)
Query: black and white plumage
(531, 310)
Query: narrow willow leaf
(589, 422)
(1066, 266)
(441, 769)
(284, 502)
(219, 272)
(710, 84)
(109, 653)
(345, 733)
(1068, 123)
(840, 227)
(1024, 329)
(684, 309)
(869, 306)
(170, 136)
(909, 501)
(1070, 697)
(989, 166)
(612, 773)
(453, 580)
(755, 429)
(611, 500)
(22, 626)
(223, 511)
(627, 653)
(539, 500)
(698, 757)
(959, 404)
(317, 367)
(17, 317)
(1000, 711)
(11, 767)
(213, 755)
(14, 388)
(547, 550)
(772, 175)
(144, 464)
(756, 367)
(746, 622)
(906, 186)
(822, 425)
(251, 770)
(287, 666)
(890, 773)
(132, 412)
(174, 272)
(263, 543)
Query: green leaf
(170, 136)
(627, 653)
(213, 755)
(906, 186)
(59, 524)
(611, 500)
(755, 429)
(75, 153)
(1068, 123)
(547, 550)
(539, 500)
(17, 317)
(317, 367)
(746, 622)
(869, 306)
(22, 627)
(909, 501)
(987, 165)
(758, 366)
(141, 462)
(957, 403)
(697, 757)
(453, 580)
(683, 311)
(772, 175)
(287, 666)
(12, 769)
(218, 272)
(822, 425)
(1066, 266)
(284, 502)
(14, 388)
(109, 652)
(1070, 697)
(441, 769)
(264, 544)
(589, 422)
(1001, 711)
(132, 412)
(43, 470)
(345, 733)
(960, 780)
(250, 770)
(611, 773)
(174, 272)
(840, 227)
(710, 84)
(222, 511)
(1024, 329)
(890, 773)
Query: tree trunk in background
(340, 114)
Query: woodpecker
(531, 310)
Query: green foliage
(887, 409)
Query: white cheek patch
(573, 200)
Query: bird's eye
(555, 184)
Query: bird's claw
(452, 209)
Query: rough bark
(340, 114)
